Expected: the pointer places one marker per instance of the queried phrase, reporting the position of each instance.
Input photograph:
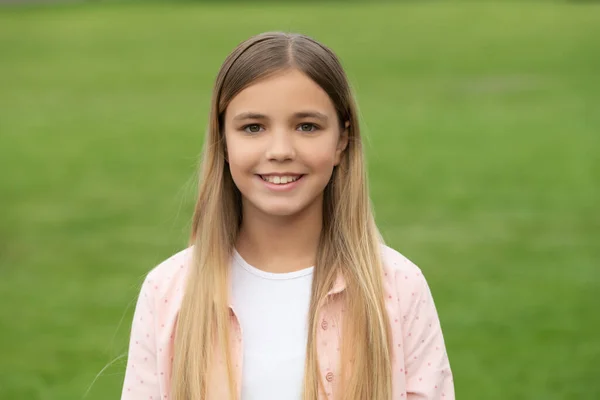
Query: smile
(280, 180)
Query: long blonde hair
(349, 244)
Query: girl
(286, 290)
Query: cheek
(322, 161)
(240, 157)
(323, 153)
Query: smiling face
(283, 140)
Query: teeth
(280, 180)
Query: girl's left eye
(307, 127)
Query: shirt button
(329, 376)
(324, 324)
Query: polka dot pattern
(420, 368)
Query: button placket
(328, 339)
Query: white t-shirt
(272, 309)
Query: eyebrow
(249, 115)
(311, 114)
(298, 115)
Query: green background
(483, 141)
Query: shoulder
(168, 276)
(176, 264)
(401, 274)
(396, 263)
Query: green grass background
(483, 125)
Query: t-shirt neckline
(270, 275)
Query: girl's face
(283, 140)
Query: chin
(282, 207)
(280, 210)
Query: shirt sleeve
(141, 381)
(428, 373)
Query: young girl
(286, 290)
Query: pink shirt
(420, 369)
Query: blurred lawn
(484, 156)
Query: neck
(280, 244)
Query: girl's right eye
(252, 128)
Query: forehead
(285, 92)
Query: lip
(281, 174)
(281, 187)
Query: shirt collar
(339, 285)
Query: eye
(307, 127)
(252, 128)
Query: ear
(342, 143)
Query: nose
(281, 146)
